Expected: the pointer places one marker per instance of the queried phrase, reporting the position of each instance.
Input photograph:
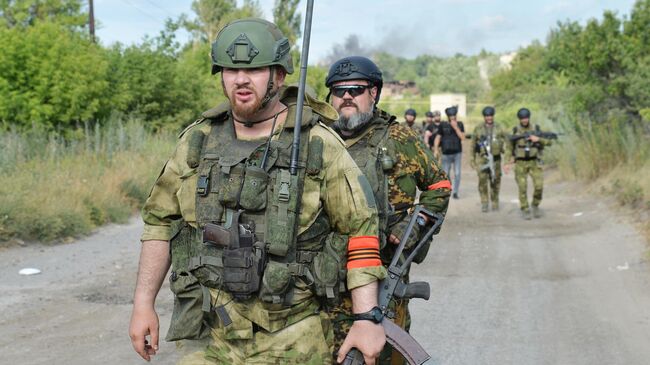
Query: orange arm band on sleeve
(444, 184)
(363, 251)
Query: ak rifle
(540, 134)
(394, 287)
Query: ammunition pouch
(328, 268)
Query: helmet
(451, 111)
(488, 111)
(355, 68)
(428, 114)
(523, 113)
(410, 112)
(251, 43)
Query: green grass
(53, 187)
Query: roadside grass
(54, 188)
(614, 158)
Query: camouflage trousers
(308, 341)
(341, 321)
(522, 170)
(494, 186)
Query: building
(443, 101)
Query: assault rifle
(393, 286)
(540, 134)
(490, 157)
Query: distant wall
(443, 101)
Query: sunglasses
(353, 90)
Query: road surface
(570, 288)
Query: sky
(402, 27)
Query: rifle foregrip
(353, 357)
(418, 289)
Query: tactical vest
(373, 153)
(489, 137)
(523, 149)
(258, 209)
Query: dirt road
(570, 288)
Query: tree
(288, 19)
(24, 13)
(212, 15)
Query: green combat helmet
(251, 43)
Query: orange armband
(363, 251)
(444, 184)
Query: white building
(441, 102)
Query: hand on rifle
(533, 138)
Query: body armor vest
(523, 149)
(257, 209)
(373, 154)
(489, 137)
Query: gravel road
(570, 288)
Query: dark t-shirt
(433, 128)
(449, 141)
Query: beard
(354, 123)
(247, 110)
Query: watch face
(421, 221)
(377, 314)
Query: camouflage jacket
(337, 190)
(495, 136)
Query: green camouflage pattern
(535, 148)
(305, 342)
(335, 189)
(522, 170)
(488, 189)
(415, 169)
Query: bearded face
(246, 89)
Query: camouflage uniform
(415, 128)
(414, 168)
(528, 162)
(495, 137)
(292, 332)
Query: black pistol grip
(417, 289)
(353, 357)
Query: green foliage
(51, 76)
(24, 13)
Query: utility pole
(91, 20)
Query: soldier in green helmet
(490, 142)
(255, 251)
(527, 153)
(396, 162)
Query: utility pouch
(275, 282)
(232, 178)
(328, 267)
(253, 193)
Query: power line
(128, 2)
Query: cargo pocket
(188, 319)
(327, 268)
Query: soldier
(526, 153)
(489, 145)
(409, 119)
(254, 249)
(431, 131)
(395, 161)
(450, 140)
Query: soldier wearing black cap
(489, 146)
(526, 153)
(450, 139)
(409, 119)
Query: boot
(495, 206)
(525, 213)
(484, 207)
(536, 212)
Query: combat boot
(536, 212)
(484, 207)
(495, 206)
(525, 213)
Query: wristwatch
(421, 221)
(375, 315)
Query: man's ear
(373, 92)
(280, 75)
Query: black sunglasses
(353, 90)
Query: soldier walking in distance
(431, 131)
(396, 163)
(450, 140)
(527, 153)
(255, 250)
(409, 121)
(489, 146)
